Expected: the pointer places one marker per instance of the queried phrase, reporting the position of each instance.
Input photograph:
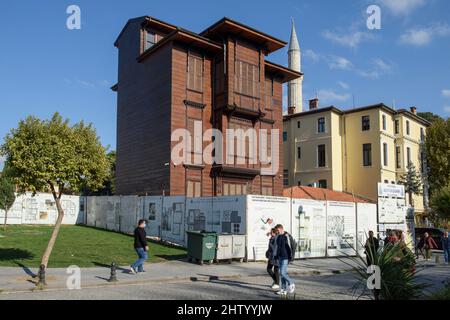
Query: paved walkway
(23, 279)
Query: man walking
(141, 247)
(272, 264)
(446, 247)
(371, 247)
(284, 252)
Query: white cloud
(379, 68)
(311, 55)
(350, 39)
(330, 96)
(402, 7)
(88, 83)
(336, 62)
(421, 36)
(446, 93)
(447, 109)
(344, 85)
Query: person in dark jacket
(371, 247)
(141, 247)
(446, 247)
(272, 264)
(284, 252)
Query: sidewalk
(21, 279)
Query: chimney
(291, 110)
(414, 110)
(313, 104)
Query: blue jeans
(446, 254)
(285, 279)
(139, 264)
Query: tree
(109, 185)
(51, 155)
(7, 194)
(437, 146)
(412, 182)
(429, 116)
(440, 203)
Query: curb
(171, 280)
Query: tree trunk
(51, 242)
(411, 199)
(6, 217)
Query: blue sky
(44, 67)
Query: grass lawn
(76, 245)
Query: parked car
(435, 233)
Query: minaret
(295, 87)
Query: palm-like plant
(398, 279)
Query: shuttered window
(246, 79)
(195, 73)
(194, 189)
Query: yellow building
(353, 150)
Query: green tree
(109, 185)
(437, 146)
(412, 182)
(7, 193)
(429, 116)
(440, 203)
(51, 155)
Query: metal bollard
(41, 275)
(113, 277)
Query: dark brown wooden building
(169, 78)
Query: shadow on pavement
(104, 265)
(179, 257)
(26, 269)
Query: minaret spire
(295, 87)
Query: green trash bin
(201, 246)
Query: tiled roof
(303, 192)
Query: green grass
(76, 245)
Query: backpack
(293, 245)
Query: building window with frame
(321, 125)
(397, 157)
(194, 189)
(267, 191)
(268, 93)
(422, 134)
(397, 127)
(408, 129)
(195, 73)
(247, 79)
(299, 152)
(408, 155)
(150, 39)
(367, 154)
(321, 156)
(285, 136)
(365, 121)
(323, 184)
(298, 124)
(384, 122)
(385, 154)
(286, 177)
(219, 77)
